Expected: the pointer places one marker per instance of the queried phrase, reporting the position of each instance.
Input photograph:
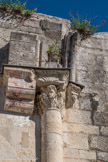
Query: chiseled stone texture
(22, 49)
(80, 128)
(99, 143)
(102, 156)
(78, 116)
(76, 141)
(101, 119)
(104, 131)
(81, 154)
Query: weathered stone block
(22, 89)
(99, 143)
(53, 34)
(102, 156)
(89, 155)
(104, 131)
(34, 30)
(7, 25)
(22, 49)
(81, 154)
(80, 128)
(20, 93)
(77, 116)
(101, 119)
(92, 43)
(32, 23)
(47, 25)
(76, 141)
(20, 106)
(22, 37)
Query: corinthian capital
(48, 98)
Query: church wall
(86, 123)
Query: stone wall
(22, 42)
(46, 28)
(86, 123)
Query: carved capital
(51, 97)
(47, 99)
(52, 89)
(73, 92)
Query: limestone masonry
(52, 111)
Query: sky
(61, 8)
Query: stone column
(51, 126)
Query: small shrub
(28, 13)
(84, 25)
(54, 48)
(16, 7)
(5, 4)
(54, 51)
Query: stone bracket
(73, 91)
(20, 92)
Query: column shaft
(52, 136)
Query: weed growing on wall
(54, 51)
(16, 7)
(84, 24)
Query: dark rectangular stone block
(22, 37)
(101, 119)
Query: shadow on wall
(4, 54)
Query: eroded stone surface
(102, 156)
(99, 143)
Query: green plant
(54, 51)
(16, 7)
(84, 25)
(28, 13)
(54, 48)
(5, 4)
